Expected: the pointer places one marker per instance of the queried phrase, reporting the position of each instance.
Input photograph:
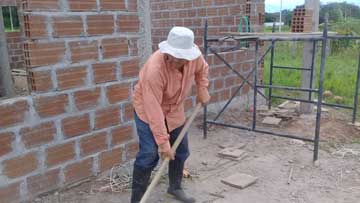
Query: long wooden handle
(173, 148)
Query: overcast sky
(274, 5)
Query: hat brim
(188, 54)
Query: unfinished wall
(222, 16)
(15, 50)
(82, 58)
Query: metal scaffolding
(318, 37)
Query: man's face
(175, 62)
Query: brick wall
(222, 16)
(83, 60)
(15, 50)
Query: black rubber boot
(140, 182)
(176, 168)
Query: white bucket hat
(180, 44)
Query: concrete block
(239, 180)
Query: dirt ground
(335, 178)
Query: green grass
(340, 71)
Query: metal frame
(273, 38)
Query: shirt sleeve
(201, 79)
(153, 88)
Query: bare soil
(334, 178)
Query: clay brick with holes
(112, 4)
(13, 113)
(107, 117)
(48, 106)
(38, 134)
(60, 153)
(85, 99)
(21, 165)
(40, 81)
(48, 5)
(121, 134)
(41, 183)
(110, 158)
(128, 23)
(100, 24)
(71, 77)
(117, 93)
(104, 72)
(42, 54)
(83, 50)
(6, 140)
(130, 68)
(128, 112)
(78, 171)
(68, 26)
(78, 5)
(35, 26)
(115, 47)
(93, 143)
(76, 125)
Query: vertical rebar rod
(205, 56)
(312, 68)
(255, 83)
(356, 93)
(271, 72)
(320, 94)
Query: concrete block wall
(222, 16)
(82, 59)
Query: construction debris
(239, 180)
(271, 121)
(289, 105)
(231, 153)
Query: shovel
(173, 148)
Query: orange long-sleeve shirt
(162, 90)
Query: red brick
(132, 6)
(131, 150)
(5, 142)
(86, 99)
(35, 26)
(78, 171)
(81, 5)
(42, 183)
(60, 153)
(128, 112)
(21, 165)
(76, 125)
(112, 4)
(42, 54)
(83, 50)
(111, 158)
(47, 5)
(71, 77)
(113, 48)
(40, 80)
(68, 26)
(100, 24)
(107, 117)
(128, 23)
(51, 105)
(117, 93)
(10, 193)
(104, 72)
(39, 134)
(121, 134)
(218, 84)
(93, 143)
(130, 68)
(12, 114)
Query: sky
(274, 5)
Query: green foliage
(339, 11)
(350, 27)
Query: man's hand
(203, 100)
(166, 152)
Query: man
(164, 83)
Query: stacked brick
(301, 20)
(83, 62)
(222, 16)
(15, 50)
